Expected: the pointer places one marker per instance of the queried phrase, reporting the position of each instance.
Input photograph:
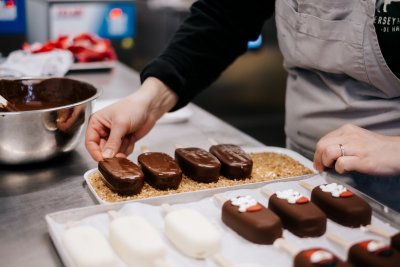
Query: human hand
(114, 130)
(351, 148)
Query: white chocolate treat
(192, 233)
(136, 241)
(88, 248)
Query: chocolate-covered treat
(160, 170)
(373, 253)
(395, 241)
(298, 215)
(341, 205)
(121, 175)
(318, 257)
(235, 163)
(251, 220)
(198, 164)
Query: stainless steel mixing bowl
(53, 115)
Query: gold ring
(341, 149)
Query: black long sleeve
(210, 39)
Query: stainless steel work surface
(29, 192)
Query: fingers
(330, 155)
(95, 138)
(127, 145)
(348, 163)
(327, 151)
(114, 142)
(348, 148)
(92, 143)
(131, 146)
(102, 144)
(111, 133)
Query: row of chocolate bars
(305, 217)
(137, 243)
(163, 172)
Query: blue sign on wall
(12, 16)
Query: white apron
(337, 73)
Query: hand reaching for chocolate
(114, 130)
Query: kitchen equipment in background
(111, 19)
(12, 25)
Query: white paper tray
(234, 247)
(279, 150)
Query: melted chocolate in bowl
(50, 118)
(27, 95)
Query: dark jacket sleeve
(210, 39)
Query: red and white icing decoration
(336, 190)
(292, 196)
(245, 203)
(319, 256)
(373, 246)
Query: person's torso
(387, 27)
(337, 72)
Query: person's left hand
(351, 148)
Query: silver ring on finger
(341, 150)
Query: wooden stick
(144, 149)
(221, 261)
(166, 208)
(285, 245)
(306, 185)
(178, 146)
(212, 141)
(338, 240)
(3, 101)
(113, 214)
(267, 192)
(375, 230)
(7, 105)
(219, 199)
(70, 224)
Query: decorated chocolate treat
(298, 215)
(341, 205)
(318, 257)
(198, 164)
(160, 170)
(251, 220)
(373, 253)
(121, 175)
(235, 163)
(395, 241)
